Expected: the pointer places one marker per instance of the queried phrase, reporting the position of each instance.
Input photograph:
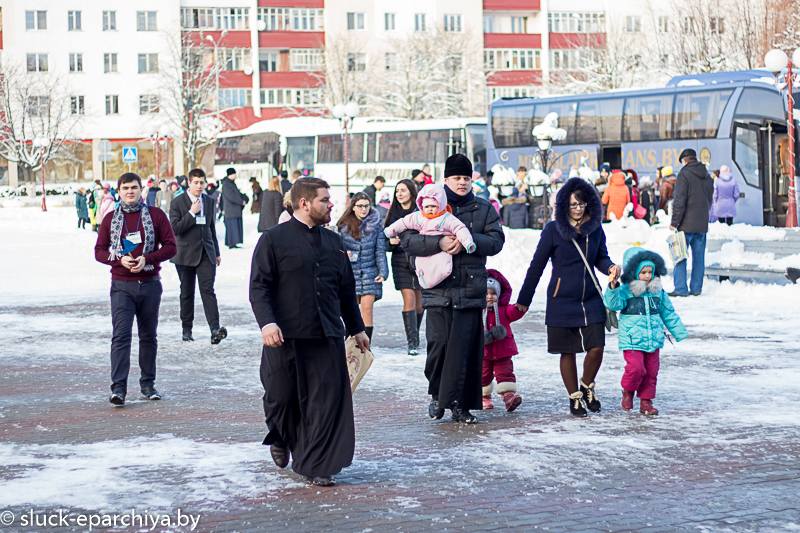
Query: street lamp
(545, 133)
(776, 60)
(42, 143)
(346, 113)
(216, 60)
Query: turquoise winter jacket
(645, 310)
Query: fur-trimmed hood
(593, 214)
(505, 286)
(636, 256)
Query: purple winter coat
(726, 193)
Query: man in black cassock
(301, 288)
(233, 202)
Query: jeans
(141, 300)
(696, 242)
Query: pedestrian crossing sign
(130, 154)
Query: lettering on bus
(649, 158)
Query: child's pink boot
(627, 400)
(512, 400)
(487, 402)
(646, 407)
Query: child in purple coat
(726, 194)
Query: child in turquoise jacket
(645, 310)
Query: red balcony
(512, 40)
(291, 39)
(233, 39)
(237, 119)
(288, 80)
(509, 5)
(293, 3)
(515, 77)
(577, 40)
(235, 78)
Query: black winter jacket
(466, 288)
(271, 209)
(694, 192)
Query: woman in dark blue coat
(575, 314)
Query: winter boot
(627, 400)
(435, 411)
(487, 396)
(368, 330)
(508, 390)
(646, 407)
(463, 416)
(419, 319)
(793, 274)
(576, 405)
(590, 397)
(412, 333)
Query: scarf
(456, 200)
(396, 212)
(118, 222)
(440, 213)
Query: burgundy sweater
(165, 246)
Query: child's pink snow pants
(641, 373)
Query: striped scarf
(118, 222)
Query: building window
(268, 62)
(286, 19)
(38, 106)
(37, 62)
(391, 61)
(109, 63)
(235, 98)
(688, 24)
(576, 22)
(234, 58)
(74, 20)
(512, 59)
(302, 59)
(452, 23)
(76, 62)
(355, 21)
(356, 62)
(148, 103)
(569, 59)
(36, 20)
(76, 105)
(519, 24)
(109, 20)
(388, 21)
(663, 24)
(488, 24)
(112, 104)
(148, 63)
(290, 97)
(419, 21)
(146, 21)
(633, 24)
(716, 24)
(495, 92)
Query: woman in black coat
(576, 313)
(404, 202)
(271, 205)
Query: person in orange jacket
(616, 195)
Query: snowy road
(723, 456)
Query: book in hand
(357, 363)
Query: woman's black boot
(368, 330)
(412, 333)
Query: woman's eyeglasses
(361, 206)
(577, 207)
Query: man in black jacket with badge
(192, 218)
(455, 306)
(301, 289)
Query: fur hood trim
(638, 287)
(505, 286)
(593, 214)
(630, 266)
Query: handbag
(639, 212)
(677, 247)
(611, 316)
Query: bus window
(476, 147)
(759, 103)
(697, 114)
(301, 153)
(512, 125)
(648, 118)
(566, 117)
(331, 148)
(410, 146)
(372, 139)
(599, 121)
(258, 148)
(745, 153)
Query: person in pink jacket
(107, 204)
(433, 218)
(499, 342)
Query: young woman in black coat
(576, 313)
(271, 205)
(404, 202)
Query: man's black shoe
(118, 399)
(321, 481)
(793, 274)
(676, 295)
(463, 416)
(150, 393)
(218, 334)
(435, 411)
(279, 455)
(187, 335)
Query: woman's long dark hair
(350, 219)
(396, 207)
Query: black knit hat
(230, 171)
(687, 152)
(457, 165)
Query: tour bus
(738, 119)
(378, 146)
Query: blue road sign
(130, 154)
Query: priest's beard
(320, 217)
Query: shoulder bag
(611, 316)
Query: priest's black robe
(301, 280)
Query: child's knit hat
(635, 259)
(493, 284)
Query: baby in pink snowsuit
(434, 218)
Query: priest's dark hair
(306, 188)
(350, 219)
(197, 173)
(127, 178)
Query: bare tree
(782, 26)
(346, 73)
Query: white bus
(388, 147)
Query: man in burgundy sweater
(134, 239)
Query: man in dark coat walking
(694, 192)
(454, 324)
(192, 218)
(233, 202)
(302, 289)
(286, 185)
(372, 190)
